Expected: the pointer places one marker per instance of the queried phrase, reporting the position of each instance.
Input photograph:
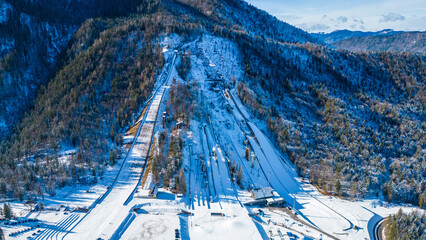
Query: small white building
(262, 193)
(147, 193)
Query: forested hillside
(353, 123)
(29, 48)
(106, 73)
(32, 36)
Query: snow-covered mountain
(353, 124)
(339, 35)
(413, 42)
(385, 40)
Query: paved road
(378, 230)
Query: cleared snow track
(223, 216)
(60, 227)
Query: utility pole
(294, 203)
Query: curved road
(378, 230)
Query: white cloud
(288, 17)
(342, 19)
(313, 27)
(371, 15)
(359, 21)
(392, 17)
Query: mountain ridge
(339, 35)
(384, 40)
(414, 42)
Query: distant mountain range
(385, 40)
(339, 35)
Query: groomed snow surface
(224, 216)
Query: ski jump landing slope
(283, 179)
(235, 222)
(107, 216)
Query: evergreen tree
(338, 186)
(393, 231)
(389, 191)
(240, 175)
(7, 211)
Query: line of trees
(405, 226)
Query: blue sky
(363, 15)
